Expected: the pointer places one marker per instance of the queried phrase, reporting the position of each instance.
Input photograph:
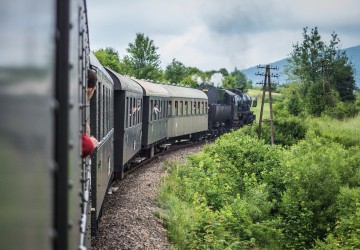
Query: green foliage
(143, 61)
(312, 185)
(231, 204)
(343, 110)
(229, 82)
(344, 132)
(241, 193)
(288, 130)
(190, 81)
(175, 72)
(109, 57)
(322, 71)
(293, 102)
(346, 234)
(236, 79)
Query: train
(51, 197)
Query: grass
(258, 94)
(346, 132)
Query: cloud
(211, 34)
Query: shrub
(288, 130)
(343, 110)
(313, 182)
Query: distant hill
(353, 54)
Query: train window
(108, 105)
(133, 111)
(202, 108)
(98, 119)
(103, 110)
(151, 110)
(176, 108)
(181, 108)
(157, 110)
(138, 110)
(133, 114)
(169, 108)
(198, 109)
(107, 110)
(186, 108)
(206, 108)
(159, 114)
(194, 108)
(126, 109)
(163, 110)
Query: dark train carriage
(187, 111)
(128, 110)
(102, 127)
(154, 116)
(42, 95)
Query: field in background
(258, 94)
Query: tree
(143, 60)
(236, 79)
(223, 71)
(322, 68)
(109, 57)
(176, 71)
(190, 81)
(343, 78)
(229, 82)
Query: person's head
(91, 85)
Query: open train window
(169, 111)
(138, 110)
(181, 108)
(98, 118)
(151, 110)
(127, 112)
(176, 108)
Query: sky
(214, 34)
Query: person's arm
(88, 145)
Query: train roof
(152, 89)
(124, 83)
(182, 92)
(94, 62)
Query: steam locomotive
(51, 198)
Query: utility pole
(267, 82)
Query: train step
(165, 146)
(138, 160)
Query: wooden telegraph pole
(267, 82)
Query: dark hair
(92, 79)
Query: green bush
(288, 130)
(313, 182)
(346, 234)
(343, 110)
(242, 193)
